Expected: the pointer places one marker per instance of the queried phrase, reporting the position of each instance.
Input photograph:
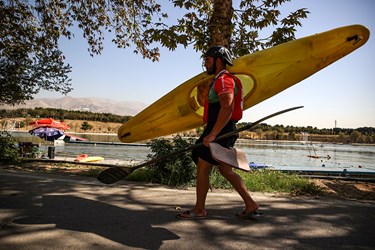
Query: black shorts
(204, 152)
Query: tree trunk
(220, 23)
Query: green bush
(8, 148)
(178, 171)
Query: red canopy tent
(49, 122)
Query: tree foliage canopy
(30, 59)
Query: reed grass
(269, 181)
(256, 181)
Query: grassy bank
(257, 181)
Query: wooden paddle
(114, 174)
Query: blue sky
(342, 92)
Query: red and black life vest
(211, 110)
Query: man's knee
(225, 170)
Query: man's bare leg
(203, 184)
(239, 186)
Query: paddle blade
(230, 156)
(112, 175)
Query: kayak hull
(263, 74)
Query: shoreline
(334, 188)
(239, 140)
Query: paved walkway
(51, 211)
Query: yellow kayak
(263, 75)
(91, 159)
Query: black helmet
(221, 52)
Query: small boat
(92, 159)
(73, 138)
(314, 156)
(86, 158)
(254, 165)
(81, 157)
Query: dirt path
(348, 189)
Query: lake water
(296, 154)
(271, 153)
(265, 153)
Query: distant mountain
(97, 105)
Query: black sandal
(190, 215)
